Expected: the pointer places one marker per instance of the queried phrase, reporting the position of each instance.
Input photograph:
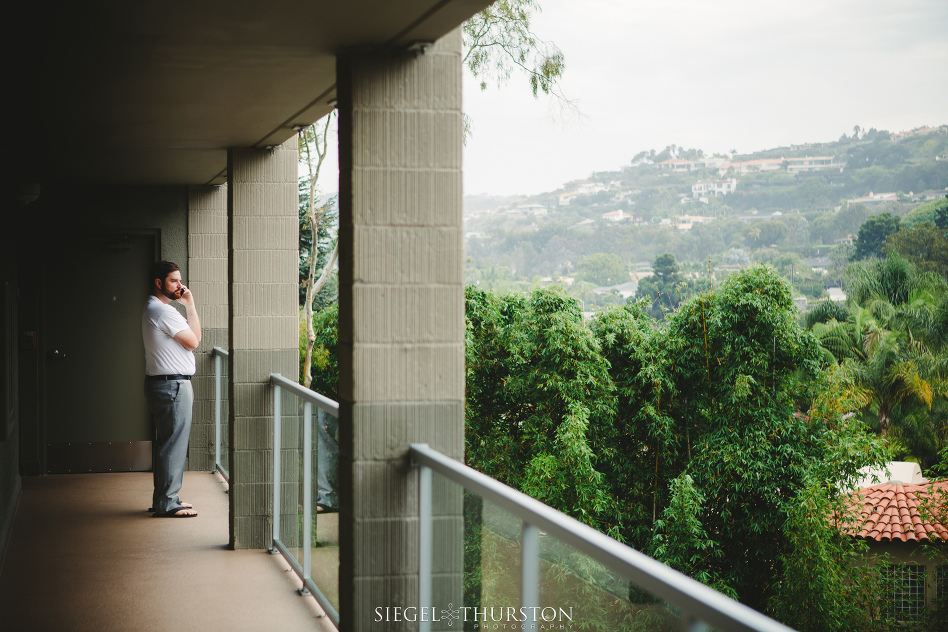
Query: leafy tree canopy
(928, 212)
(603, 270)
(924, 244)
(499, 41)
(536, 379)
(666, 288)
(872, 235)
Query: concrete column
(401, 319)
(207, 278)
(263, 230)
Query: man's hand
(189, 338)
(187, 298)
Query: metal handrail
(310, 398)
(321, 401)
(699, 603)
(218, 353)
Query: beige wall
(263, 323)
(928, 555)
(401, 318)
(207, 279)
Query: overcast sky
(722, 75)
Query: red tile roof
(891, 512)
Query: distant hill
(798, 178)
(789, 206)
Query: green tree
(665, 269)
(814, 193)
(928, 212)
(890, 340)
(602, 269)
(665, 289)
(318, 247)
(739, 354)
(324, 366)
(826, 585)
(825, 582)
(695, 438)
(712, 393)
(500, 40)
(924, 244)
(680, 540)
(636, 352)
(873, 234)
(766, 233)
(535, 381)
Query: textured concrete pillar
(207, 278)
(263, 243)
(401, 319)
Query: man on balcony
(170, 340)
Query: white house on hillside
(748, 166)
(813, 163)
(874, 199)
(679, 164)
(704, 188)
(537, 210)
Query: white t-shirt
(163, 354)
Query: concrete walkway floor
(86, 555)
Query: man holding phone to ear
(170, 340)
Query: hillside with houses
(797, 208)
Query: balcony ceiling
(154, 93)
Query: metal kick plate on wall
(115, 456)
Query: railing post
(217, 410)
(307, 544)
(530, 570)
(425, 545)
(277, 445)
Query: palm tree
(888, 335)
(891, 371)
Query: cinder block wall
(207, 278)
(263, 322)
(401, 319)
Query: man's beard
(171, 295)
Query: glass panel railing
(528, 566)
(306, 526)
(574, 590)
(221, 412)
(325, 544)
(574, 585)
(454, 558)
(497, 534)
(291, 474)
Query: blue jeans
(170, 405)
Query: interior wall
(10, 481)
(64, 212)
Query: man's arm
(189, 338)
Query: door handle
(56, 354)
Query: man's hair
(161, 270)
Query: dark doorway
(96, 416)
